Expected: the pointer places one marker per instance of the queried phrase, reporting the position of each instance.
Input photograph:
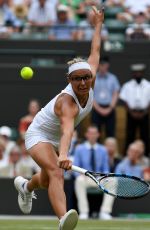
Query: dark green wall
(48, 81)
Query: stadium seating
(111, 12)
(115, 26)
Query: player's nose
(82, 82)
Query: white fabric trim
(79, 65)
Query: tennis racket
(117, 185)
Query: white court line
(53, 228)
(23, 217)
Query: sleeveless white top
(46, 123)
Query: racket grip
(78, 169)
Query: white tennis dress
(45, 126)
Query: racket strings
(124, 186)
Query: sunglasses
(80, 78)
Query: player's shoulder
(66, 99)
(65, 104)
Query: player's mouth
(83, 89)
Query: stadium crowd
(72, 19)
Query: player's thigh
(46, 157)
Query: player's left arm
(94, 56)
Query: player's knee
(56, 174)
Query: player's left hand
(64, 162)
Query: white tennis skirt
(33, 138)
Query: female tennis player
(49, 136)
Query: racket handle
(78, 169)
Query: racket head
(123, 186)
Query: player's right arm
(66, 109)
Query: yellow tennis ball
(26, 73)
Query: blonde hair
(76, 60)
(113, 141)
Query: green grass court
(82, 225)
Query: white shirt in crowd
(137, 96)
(42, 15)
(137, 6)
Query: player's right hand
(98, 16)
(64, 162)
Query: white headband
(79, 65)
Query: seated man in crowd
(139, 29)
(10, 168)
(41, 15)
(94, 157)
(63, 28)
(131, 9)
(8, 21)
(130, 165)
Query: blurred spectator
(5, 134)
(112, 149)
(114, 159)
(111, 3)
(106, 92)
(53, 2)
(41, 15)
(18, 2)
(26, 167)
(131, 9)
(83, 7)
(130, 165)
(140, 29)
(3, 159)
(10, 169)
(63, 28)
(21, 11)
(136, 96)
(79, 7)
(8, 21)
(86, 29)
(91, 156)
(73, 5)
(140, 6)
(144, 161)
(24, 122)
